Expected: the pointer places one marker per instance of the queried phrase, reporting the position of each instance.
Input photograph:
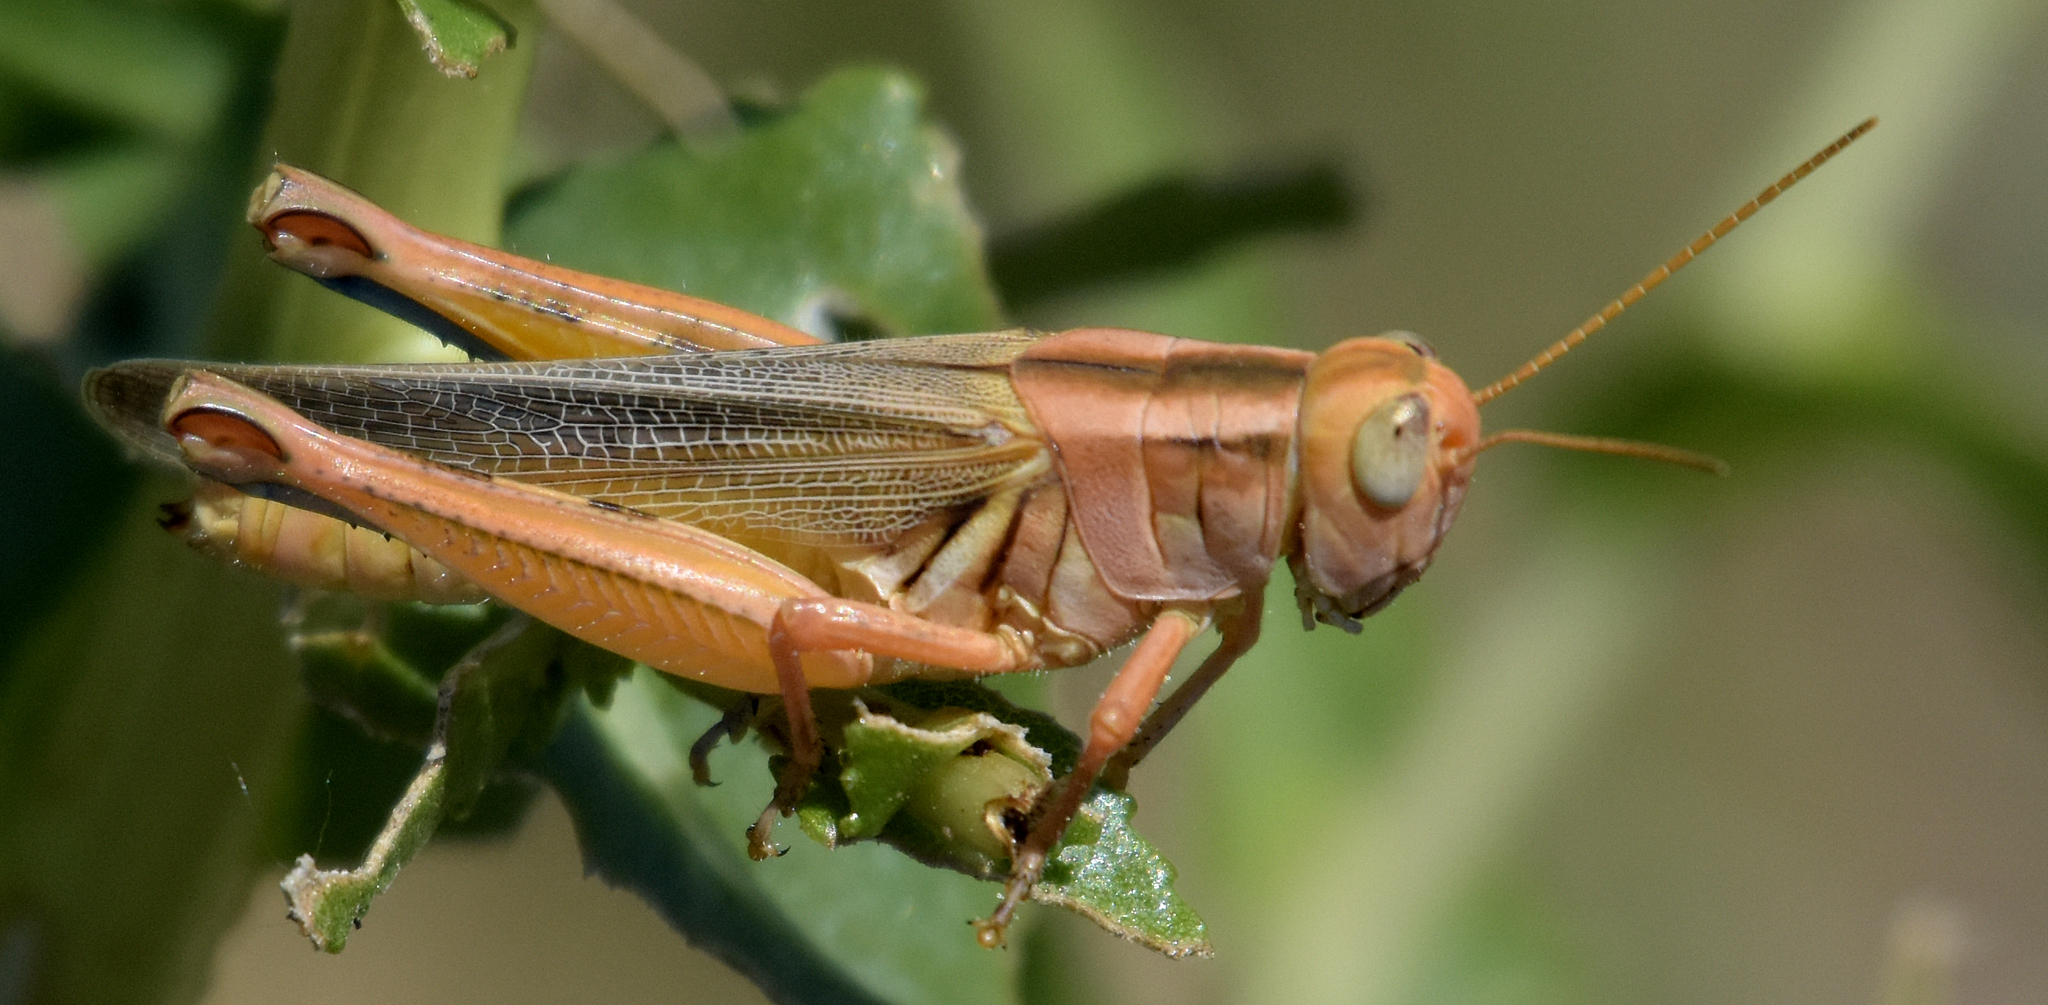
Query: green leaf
(502, 697)
(458, 34)
(949, 787)
(502, 694)
(372, 670)
(358, 668)
(328, 904)
(950, 768)
(858, 923)
(160, 678)
(1104, 870)
(844, 211)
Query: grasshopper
(725, 498)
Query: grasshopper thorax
(1386, 433)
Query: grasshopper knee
(316, 243)
(224, 445)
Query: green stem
(147, 724)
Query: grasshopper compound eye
(1390, 452)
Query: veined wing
(833, 444)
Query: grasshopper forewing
(740, 505)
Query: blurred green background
(1640, 735)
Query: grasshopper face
(1386, 451)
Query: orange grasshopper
(721, 497)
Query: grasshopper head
(1386, 438)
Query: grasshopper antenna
(1661, 273)
(1602, 445)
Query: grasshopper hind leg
(806, 748)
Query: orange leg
(481, 298)
(670, 595)
(1240, 629)
(1115, 720)
(806, 749)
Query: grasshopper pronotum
(716, 495)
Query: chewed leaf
(886, 759)
(952, 787)
(352, 672)
(1105, 871)
(328, 904)
(502, 698)
(458, 34)
(1040, 730)
(956, 772)
(942, 784)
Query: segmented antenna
(1664, 271)
(1602, 445)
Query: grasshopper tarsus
(760, 847)
(991, 933)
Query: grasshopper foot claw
(990, 933)
(760, 837)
